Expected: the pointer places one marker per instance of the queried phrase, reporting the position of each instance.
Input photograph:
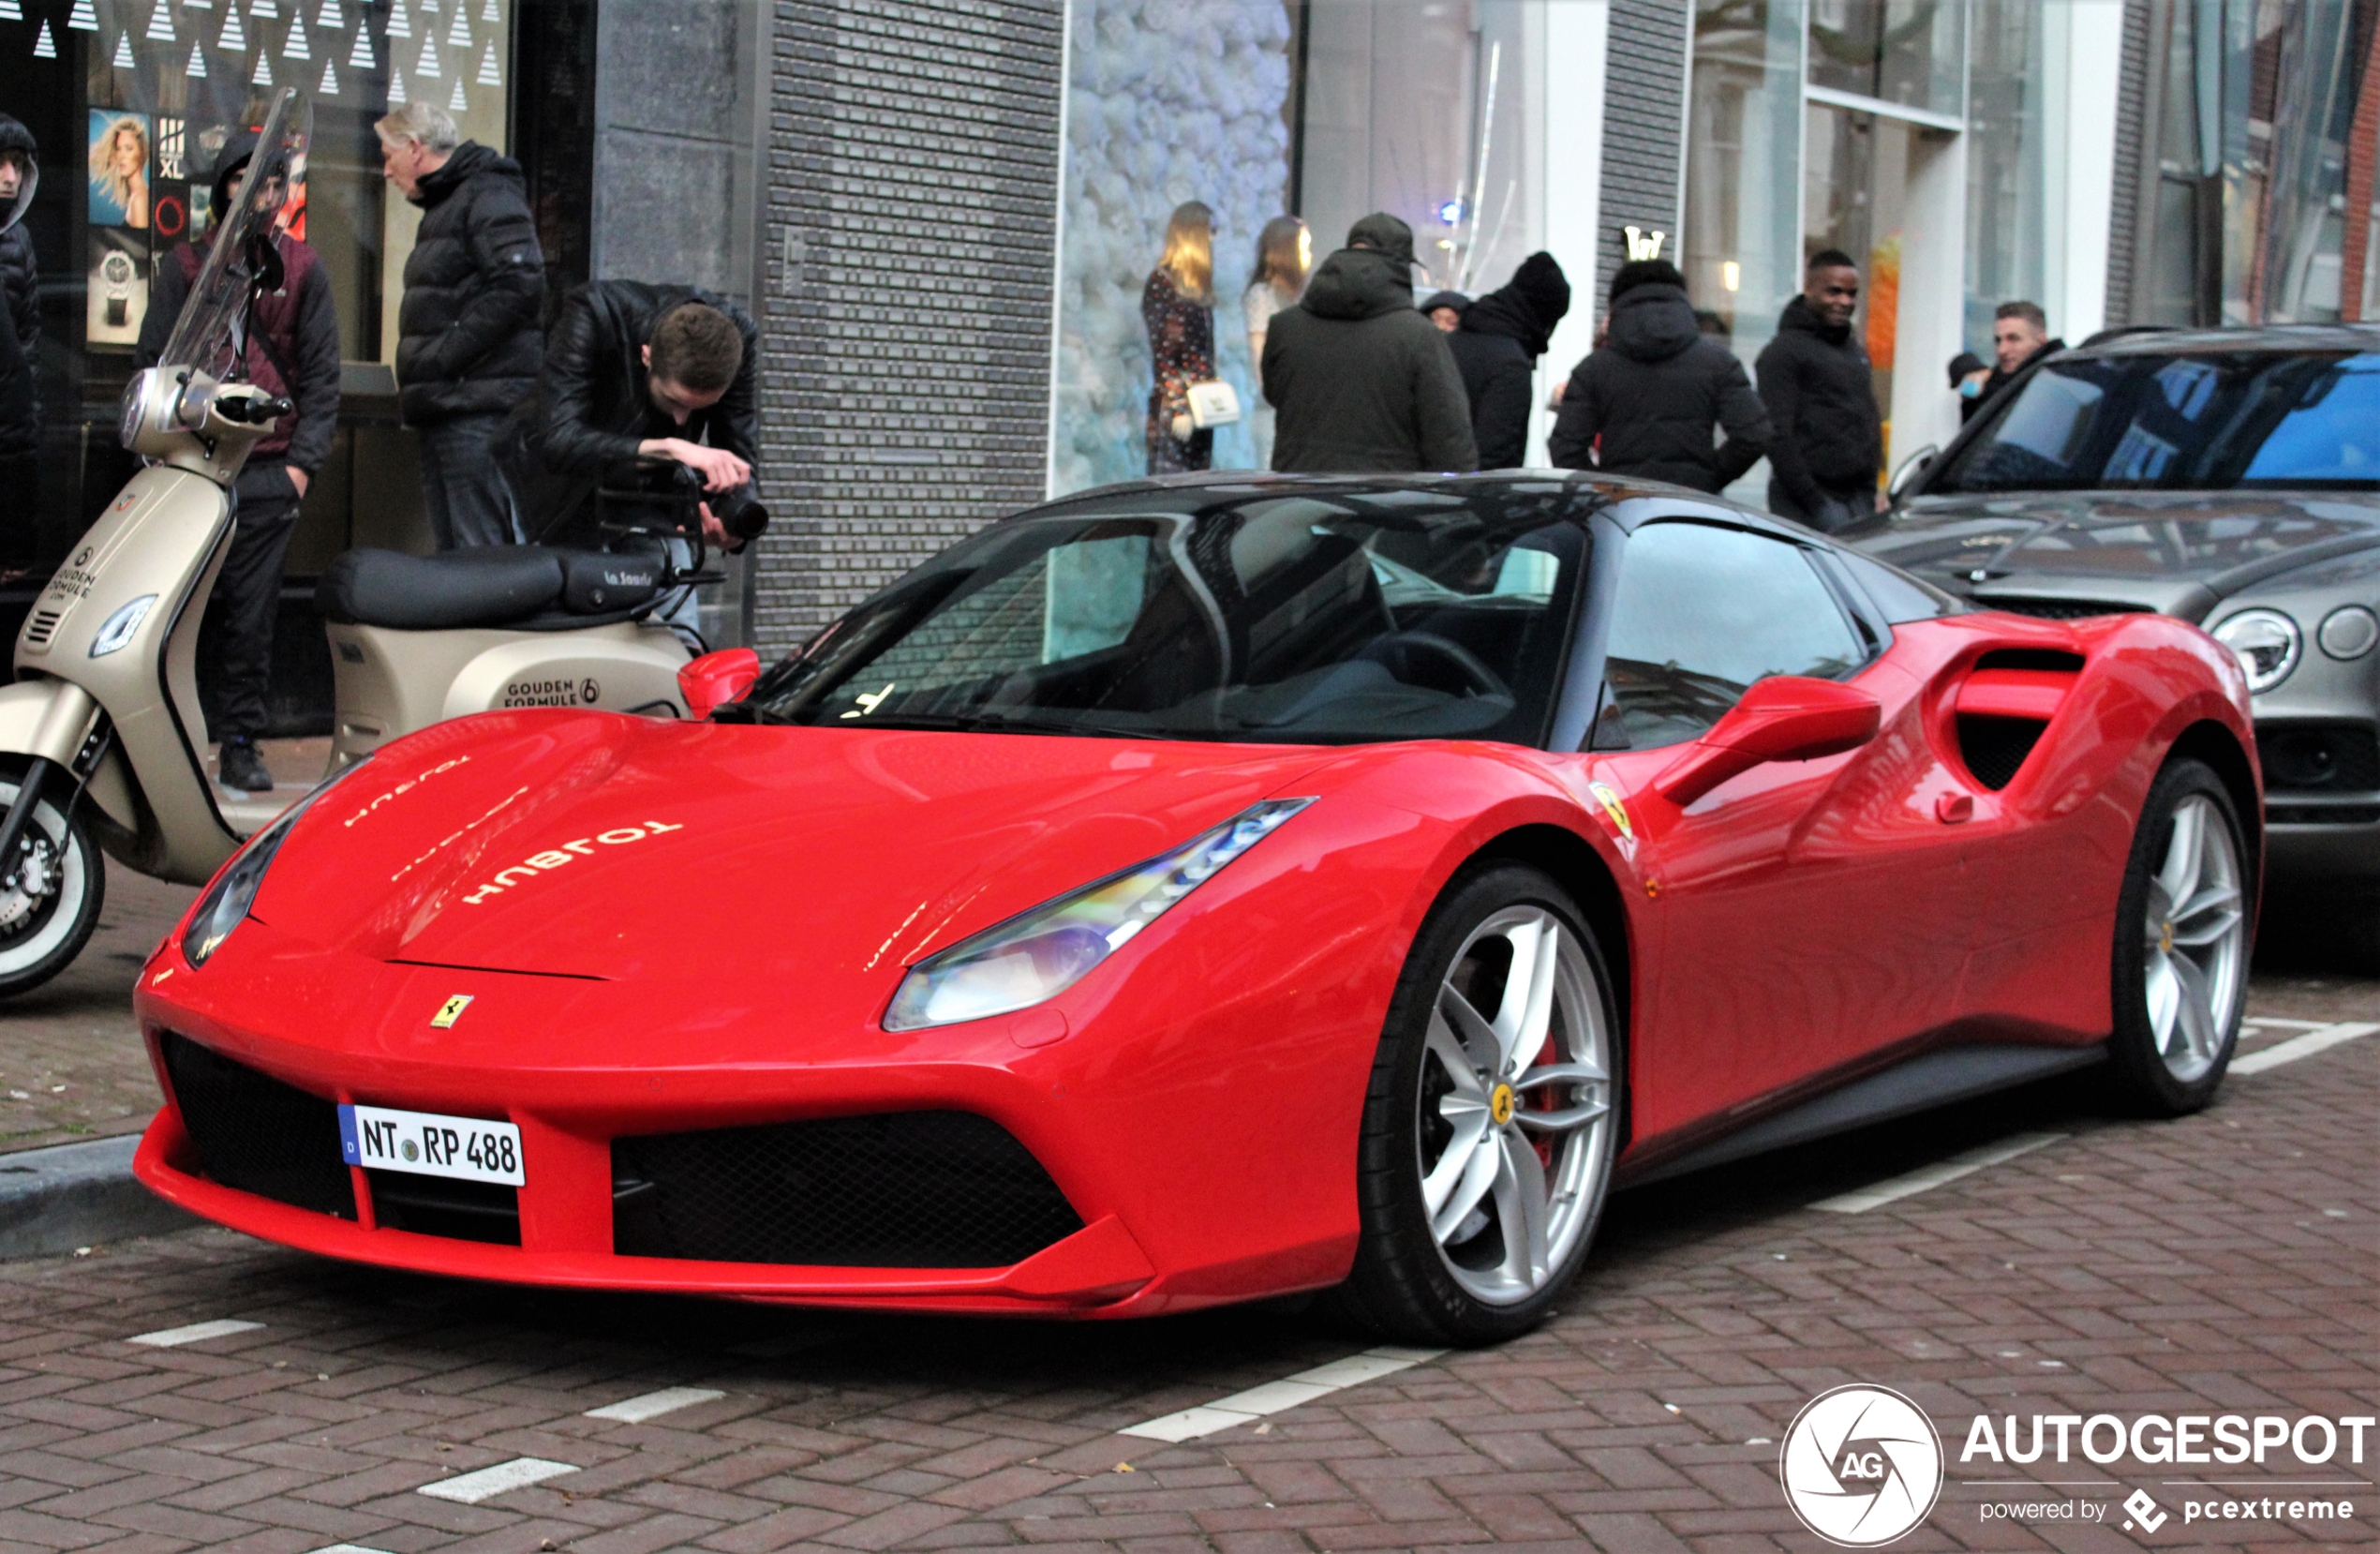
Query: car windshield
(1260, 614)
(2182, 422)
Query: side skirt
(1929, 1080)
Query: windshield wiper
(969, 722)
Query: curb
(75, 1195)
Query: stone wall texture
(909, 233)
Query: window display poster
(118, 288)
(119, 162)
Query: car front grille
(2319, 758)
(2060, 609)
(255, 1134)
(435, 1205)
(904, 1189)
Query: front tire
(1492, 1119)
(2182, 922)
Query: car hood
(2175, 553)
(595, 845)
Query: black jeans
(235, 640)
(469, 501)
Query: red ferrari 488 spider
(1206, 889)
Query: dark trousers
(21, 533)
(469, 501)
(235, 640)
(1836, 511)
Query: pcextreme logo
(1861, 1466)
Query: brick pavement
(2224, 1262)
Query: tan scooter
(101, 736)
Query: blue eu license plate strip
(468, 1149)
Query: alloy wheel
(1514, 1105)
(2196, 934)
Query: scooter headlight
(117, 629)
(224, 905)
(1037, 956)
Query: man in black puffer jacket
(468, 342)
(20, 342)
(1360, 380)
(1656, 391)
(1496, 346)
(1822, 398)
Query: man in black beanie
(1361, 380)
(292, 352)
(1496, 346)
(1657, 390)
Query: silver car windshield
(202, 336)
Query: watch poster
(118, 283)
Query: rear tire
(2182, 932)
(1492, 1119)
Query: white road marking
(349, 1548)
(1926, 1177)
(2320, 1038)
(1288, 1393)
(489, 1483)
(198, 1332)
(652, 1405)
(2287, 1024)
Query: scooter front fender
(51, 718)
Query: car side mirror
(1782, 718)
(1911, 468)
(717, 679)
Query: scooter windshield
(202, 336)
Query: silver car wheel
(1515, 1106)
(2196, 941)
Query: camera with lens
(739, 511)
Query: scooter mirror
(717, 679)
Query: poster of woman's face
(119, 169)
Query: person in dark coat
(1820, 394)
(1361, 381)
(635, 371)
(292, 352)
(468, 340)
(1968, 376)
(1496, 348)
(20, 343)
(1656, 391)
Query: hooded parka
(1656, 393)
(468, 330)
(1496, 349)
(21, 286)
(1361, 380)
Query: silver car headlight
(225, 903)
(2268, 644)
(1038, 954)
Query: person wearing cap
(293, 353)
(20, 344)
(1361, 381)
(1496, 350)
(1968, 376)
(1658, 391)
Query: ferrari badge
(1615, 809)
(450, 1012)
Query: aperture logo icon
(1861, 1466)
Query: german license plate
(469, 1149)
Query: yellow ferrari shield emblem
(1614, 809)
(450, 1011)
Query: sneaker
(242, 768)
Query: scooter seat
(488, 586)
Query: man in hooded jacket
(1361, 380)
(292, 352)
(19, 341)
(1820, 395)
(1657, 390)
(1496, 349)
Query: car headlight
(1039, 954)
(225, 903)
(117, 629)
(2267, 642)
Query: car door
(1812, 912)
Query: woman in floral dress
(1178, 308)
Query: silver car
(2229, 477)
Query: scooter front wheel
(50, 893)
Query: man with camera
(637, 374)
